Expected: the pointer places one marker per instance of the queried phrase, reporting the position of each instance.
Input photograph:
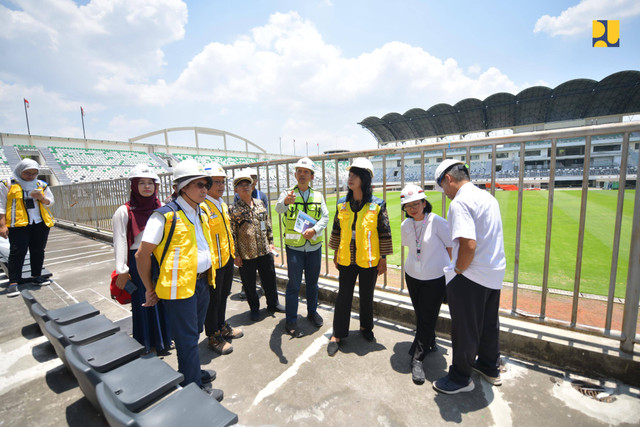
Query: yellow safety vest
(16, 212)
(366, 237)
(178, 271)
(220, 225)
(312, 208)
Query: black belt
(203, 275)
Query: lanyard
(419, 236)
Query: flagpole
(26, 115)
(294, 147)
(307, 148)
(82, 116)
(281, 146)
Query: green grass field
(598, 238)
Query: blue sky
(303, 70)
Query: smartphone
(130, 287)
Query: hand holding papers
(303, 222)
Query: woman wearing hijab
(429, 242)
(25, 219)
(361, 238)
(150, 325)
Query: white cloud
(82, 47)
(577, 19)
(279, 79)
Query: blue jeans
(186, 317)
(296, 262)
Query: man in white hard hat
(177, 237)
(474, 279)
(253, 237)
(216, 327)
(303, 239)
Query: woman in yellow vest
(361, 237)
(25, 219)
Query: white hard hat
(411, 193)
(444, 167)
(251, 171)
(143, 171)
(188, 170)
(306, 163)
(214, 169)
(243, 175)
(362, 163)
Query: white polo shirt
(475, 214)
(433, 233)
(154, 231)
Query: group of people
(183, 254)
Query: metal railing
(94, 203)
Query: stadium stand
(575, 100)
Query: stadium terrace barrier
(93, 204)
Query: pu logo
(606, 33)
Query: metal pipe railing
(93, 204)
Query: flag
(82, 111)
(26, 102)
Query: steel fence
(93, 204)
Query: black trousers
(366, 285)
(216, 311)
(267, 270)
(426, 297)
(475, 328)
(33, 237)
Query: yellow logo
(606, 33)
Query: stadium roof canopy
(579, 99)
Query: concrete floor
(271, 379)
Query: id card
(263, 226)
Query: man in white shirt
(474, 282)
(177, 236)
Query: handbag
(120, 295)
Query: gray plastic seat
(188, 406)
(110, 352)
(28, 298)
(137, 383)
(78, 333)
(62, 316)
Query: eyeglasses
(202, 185)
(218, 182)
(30, 173)
(243, 184)
(414, 205)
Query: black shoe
(242, 295)
(433, 348)
(255, 316)
(292, 330)
(368, 335)
(216, 393)
(332, 348)
(207, 375)
(279, 308)
(40, 281)
(316, 319)
(417, 371)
